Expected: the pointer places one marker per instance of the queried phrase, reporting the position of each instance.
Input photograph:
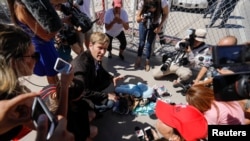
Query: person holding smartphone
(10, 107)
(60, 133)
(17, 59)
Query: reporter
(178, 122)
(225, 41)
(186, 62)
(215, 112)
(60, 133)
(10, 114)
(151, 16)
(17, 59)
(42, 39)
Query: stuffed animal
(146, 91)
(137, 90)
(131, 89)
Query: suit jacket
(88, 82)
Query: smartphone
(139, 133)
(39, 108)
(62, 66)
(149, 133)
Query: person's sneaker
(110, 55)
(121, 56)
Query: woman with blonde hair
(216, 112)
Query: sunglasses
(35, 56)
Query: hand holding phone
(62, 66)
(39, 108)
(149, 133)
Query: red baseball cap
(188, 121)
(117, 3)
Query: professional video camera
(188, 41)
(78, 18)
(66, 35)
(232, 86)
(148, 17)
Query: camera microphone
(44, 13)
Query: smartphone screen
(149, 133)
(39, 108)
(62, 66)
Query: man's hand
(116, 79)
(225, 71)
(60, 134)
(112, 96)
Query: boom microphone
(44, 13)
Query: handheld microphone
(44, 13)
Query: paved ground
(113, 127)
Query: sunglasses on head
(35, 56)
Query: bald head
(227, 41)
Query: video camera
(78, 18)
(232, 86)
(167, 60)
(188, 41)
(148, 17)
(67, 35)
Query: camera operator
(67, 37)
(148, 16)
(209, 71)
(188, 58)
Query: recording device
(78, 19)
(66, 35)
(149, 133)
(39, 108)
(139, 133)
(62, 66)
(148, 17)
(232, 87)
(229, 56)
(79, 2)
(176, 56)
(188, 41)
(167, 60)
(44, 13)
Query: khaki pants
(183, 73)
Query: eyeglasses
(35, 56)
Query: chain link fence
(184, 14)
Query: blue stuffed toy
(138, 90)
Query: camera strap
(201, 48)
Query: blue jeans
(148, 36)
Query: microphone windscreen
(44, 13)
